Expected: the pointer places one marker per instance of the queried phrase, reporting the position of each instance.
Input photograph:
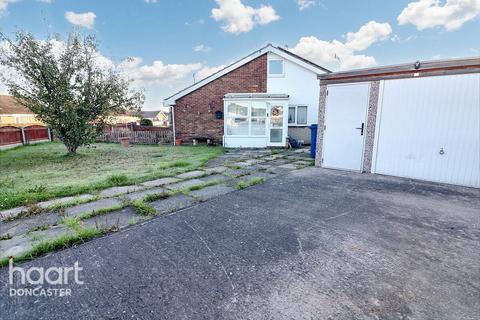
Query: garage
(418, 120)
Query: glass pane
(258, 126)
(259, 109)
(275, 67)
(291, 115)
(301, 115)
(276, 135)
(237, 126)
(235, 109)
(276, 117)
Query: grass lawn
(44, 171)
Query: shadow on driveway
(313, 244)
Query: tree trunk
(72, 150)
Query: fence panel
(138, 135)
(10, 135)
(35, 133)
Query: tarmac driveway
(314, 244)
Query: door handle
(361, 128)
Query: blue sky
(172, 39)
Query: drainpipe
(172, 110)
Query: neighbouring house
(159, 118)
(419, 120)
(14, 114)
(256, 101)
(126, 118)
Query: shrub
(146, 122)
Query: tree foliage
(146, 122)
(65, 84)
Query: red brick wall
(192, 117)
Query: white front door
(345, 124)
(276, 131)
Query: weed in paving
(144, 209)
(242, 184)
(62, 242)
(39, 228)
(5, 237)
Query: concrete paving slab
(218, 169)
(115, 191)
(215, 177)
(65, 200)
(173, 203)
(22, 226)
(289, 166)
(211, 192)
(118, 220)
(191, 174)
(15, 246)
(160, 182)
(236, 172)
(139, 195)
(11, 213)
(184, 184)
(91, 206)
(50, 234)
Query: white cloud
(4, 4)
(208, 71)
(201, 48)
(305, 4)
(431, 13)
(150, 1)
(336, 54)
(238, 18)
(86, 19)
(157, 72)
(367, 35)
(45, 1)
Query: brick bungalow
(255, 102)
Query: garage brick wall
(195, 112)
(370, 129)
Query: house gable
(194, 113)
(285, 54)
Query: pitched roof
(268, 48)
(8, 105)
(149, 114)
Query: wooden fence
(138, 135)
(12, 136)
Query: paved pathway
(110, 208)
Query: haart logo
(22, 280)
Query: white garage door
(429, 129)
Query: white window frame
(276, 75)
(296, 124)
(249, 120)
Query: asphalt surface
(313, 244)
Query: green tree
(146, 122)
(65, 84)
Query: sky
(163, 45)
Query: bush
(146, 122)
